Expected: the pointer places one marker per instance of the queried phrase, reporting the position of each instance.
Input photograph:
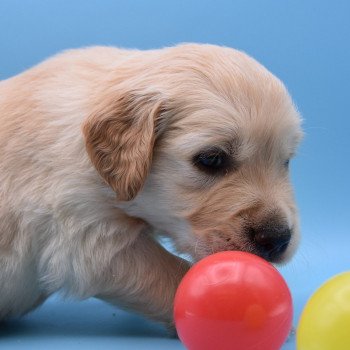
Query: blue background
(305, 43)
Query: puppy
(102, 150)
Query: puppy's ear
(120, 136)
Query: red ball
(233, 300)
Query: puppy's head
(197, 142)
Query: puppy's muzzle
(271, 240)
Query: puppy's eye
(213, 161)
(286, 163)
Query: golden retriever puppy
(102, 150)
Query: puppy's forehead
(224, 96)
(272, 125)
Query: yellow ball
(325, 320)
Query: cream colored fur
(96, 149)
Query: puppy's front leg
(144, 277)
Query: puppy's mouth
(274, 255)
(269, 246)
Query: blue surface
(305, 43)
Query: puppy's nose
(271, 241)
